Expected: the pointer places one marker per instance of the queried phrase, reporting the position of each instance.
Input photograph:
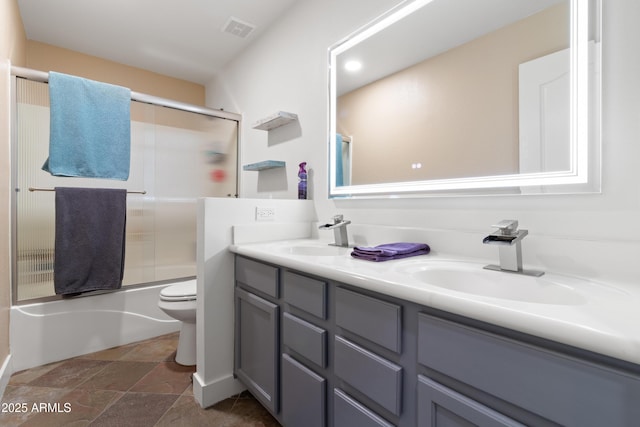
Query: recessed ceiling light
(353, 65)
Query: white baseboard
(216, 391)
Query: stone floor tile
(118, 375)
(136, 409)
(70, 373)
(166, 377)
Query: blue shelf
(266, 164)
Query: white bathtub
(47, 332)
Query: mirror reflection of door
(543, 108)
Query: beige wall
(459, 110)
(45, 57)
(12, 51)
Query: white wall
(286, 70)
(213, 380)
(594, 235)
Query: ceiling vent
(238, 28)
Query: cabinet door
(439, 406)
(303, 395)
(259, 276)
(557, 387)
(348, 412)
(305, 338)
(374, 376)
(376, 320)
(257, 349)
(305, 293)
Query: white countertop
(605, 320)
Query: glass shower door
(176, 157)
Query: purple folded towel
(389, 251)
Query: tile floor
(134, 385)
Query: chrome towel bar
(53, 189)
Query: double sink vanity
(323, 339)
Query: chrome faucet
(509, 238)
(339, 228)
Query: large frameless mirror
(468, 97)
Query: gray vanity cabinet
(348, 412)
(303, 395)
(323, 354)
(375, 377)
(376, 320)
(367, 335)
(304, 350)
(531, 382)
(440, 406)
(257, 331)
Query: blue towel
(90, 128)
(390, 251)
(89, 240)
(339, 163)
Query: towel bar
(53, 189)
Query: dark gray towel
(90, 239)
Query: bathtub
(46, 332)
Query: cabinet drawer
(303, 395)
(372, 375)
(305, 293)
(441, 406)
(557, 387)
(376, 320)
(350, 413)
(304, 338)
(259, 276)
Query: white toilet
(179, 302)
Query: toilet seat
(185, 291)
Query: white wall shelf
(276, 120)
(266, 164)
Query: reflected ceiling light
(380, 25)
(353, 65)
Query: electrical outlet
(265, 213)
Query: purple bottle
(302, 185)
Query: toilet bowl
(179, 302)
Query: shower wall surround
(592, 235)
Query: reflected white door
(544, 113)
(544, 118)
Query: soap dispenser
(302, 184)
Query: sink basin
(473, 279)
(314, 250)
